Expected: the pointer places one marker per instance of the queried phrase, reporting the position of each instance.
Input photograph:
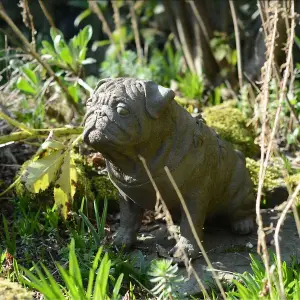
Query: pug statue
(127, 118)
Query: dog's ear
(157, 97)
(102, 81)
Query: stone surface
(229, 253)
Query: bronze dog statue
(127, 117)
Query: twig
(97, 11)
(35, 55)
(15, 123)
(136, 31)
(189, 218)
(46, 13)
(274, 129)
(10, 187)
(237, 42)
(38, 133)
(117, 21)
(28, 16)
(276, 238)
(170, 224)
(265, 91)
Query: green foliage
(164, 276)
(162, 66)
(99, 232)
(222, 51)
(254, 286)
(97, 286)
(190, 85)
(68, 56)
(10, 239)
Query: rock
(13, 291)
(274, 188)
(229, 122)
(228, 253)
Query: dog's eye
(122, 110)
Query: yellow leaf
(65, 186)
(40, 173)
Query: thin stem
(170, 223)
(38, 133)
(189, 218)
(97, 11)
(117, 20)
(136, 31)
(15, 123)
(237, 42)
(47, 15)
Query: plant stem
(15, 123)
(38, 133)
(136, 31)
(237, 42)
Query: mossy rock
(273, 177)
(275, 187)
(229, 122)
(292, 181)
(13, 291)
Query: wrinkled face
(121, 110)
(114, 116)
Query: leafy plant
(53, 164)
(165, 279)
(68, 56)
(254, 286)
(97, 287)
(220, 45)
(191, 86)
(10, 238)
(99, 232)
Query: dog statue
(127, 118)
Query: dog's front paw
(124, 238)
(184, 246)
(243, 226)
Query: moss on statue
(229, 122)
(13, 291)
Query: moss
(13, 291)
(103, 186)
(292, 181)
(238, 248)
(273, 176)
(231, 125)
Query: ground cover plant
(58, 208)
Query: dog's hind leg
(242, 216)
